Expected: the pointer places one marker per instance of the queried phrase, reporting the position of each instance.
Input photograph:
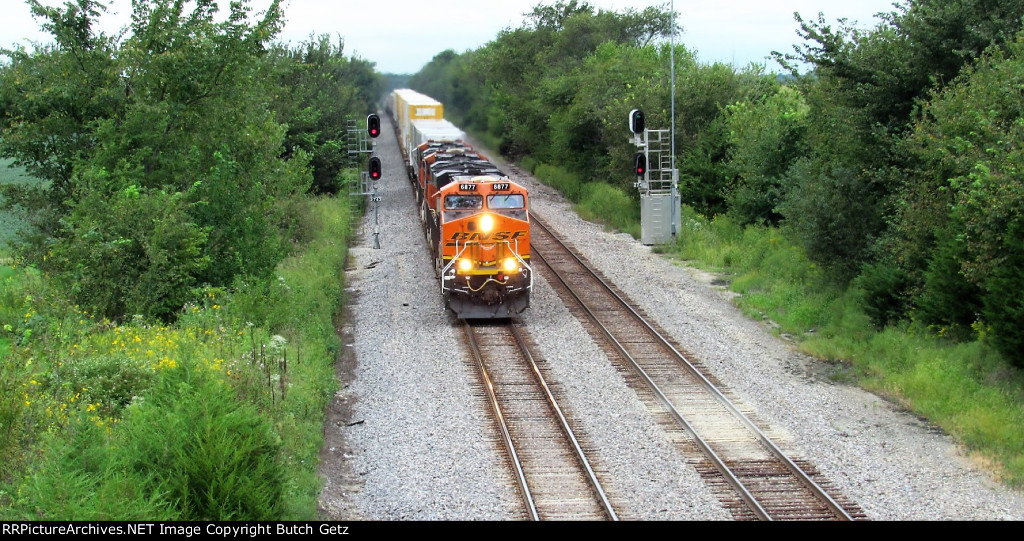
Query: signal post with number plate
(365, 142)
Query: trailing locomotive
(476, 219)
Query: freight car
(476, 219)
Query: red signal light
(375, 170)
(373, 125)
(640, 162)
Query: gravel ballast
(419, 443)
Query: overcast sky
(400, 36)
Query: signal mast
(657, 180)
(365, 142)
(654, 165)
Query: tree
(51, 97)
(862, 91)
(320, 90)
(164, 159)
(703, 94)
(968, 193)
(526, 68)
(766, 137)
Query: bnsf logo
(501, 235)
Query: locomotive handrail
(459, 252)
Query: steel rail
(798, 473)
(704, 446)
(595, 483)
(509, 444)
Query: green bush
(885, 299)
(79, 477)
(766, 135)
(131, 252)
(948, 299)
(529, 164)
(830, 207)
(1004, 298)
(211, 456)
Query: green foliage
(862, 94)
(529, 74)
(320, 90)
(834, 214)
(587, 126)
(51, 96)
(131, 252)
(569, 184)
(702, 137)
(885, 290)
(595, 201)
(608, 205)
(1004, 297)
(972, 135)
(944, 36)
(170, 185)
(886, 70)
(110, 380)
(947, 300)
(964, 207)
(210, 456)
(766, 137)
(529, 164)
(969, 389)
(173, 173)
(219, 415)
(704, 174)
(557, 89)
(80, 477)
(187, 451)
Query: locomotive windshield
(506, 201)
(463, 202)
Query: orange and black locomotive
(476, 219)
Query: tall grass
(967, 389)
(218, 416)
(594, 201)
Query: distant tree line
(172, 153)
(895, 159)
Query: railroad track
(554, 475)
(753, 477)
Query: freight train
(476, 220)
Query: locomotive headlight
(465, 265)
(510, 264)
(487, 223)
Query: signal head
(374, 169)
(637, 121)
(373, 125)
(640, 164)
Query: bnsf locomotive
(477, 221)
